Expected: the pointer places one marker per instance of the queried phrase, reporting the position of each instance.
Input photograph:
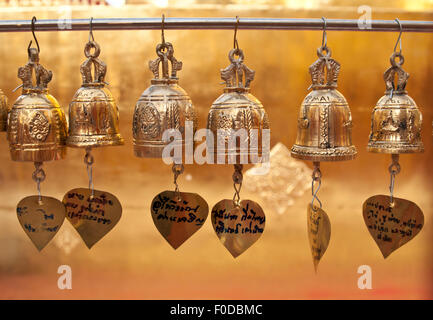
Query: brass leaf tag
(238, 227)
(319, 232)
(178, 219)
(93, 217)
(392, 227)
(40, 221)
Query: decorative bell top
(165, 53)
(100, 68)
(42, 75)
(317, 70)
(392, 72)
(233, 75)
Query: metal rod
(213, 23)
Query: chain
(88, 160)
(317, 177)
(237, 183)
(177, 171)
(38, 176)
(394, 169)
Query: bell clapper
(177, 171)
(89, 160)
(237, 184)
(38, 176)
(394, 169)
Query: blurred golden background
(133, 260)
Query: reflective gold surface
(236, 109)
(36, 124)
(238, 227)
(161, 107)
(319, 232)
(93, 213)
(325, 121)
(177, 216)
(41, 218)
(133, 261)
(93, 113)
(392, 226)
(396, 120)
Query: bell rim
(396, 148)
(79, 141)
(328, 154)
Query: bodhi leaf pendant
(177, 216)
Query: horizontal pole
(213, 24)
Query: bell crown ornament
(237, 119)
(396, 120)
(165, 53)
(37, 125)
(236, 72)
(325, 121)
(93, 113)
(163, 106)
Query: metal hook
(235, 40)
(324, 36)
(399, 36)
(91, 38)
(316, 177)
(162, 29)
(34, 36)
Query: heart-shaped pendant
(392, 226)
(177, 216)
(40, 219)
(92, 216)
(238, 227)
(319, 232)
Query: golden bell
(162, 106)
(93, 114)
(237, 109)
(37, 125)
(4, 110)
(325, 121)
(396, 120)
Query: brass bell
(237, 109)
(37, 125)
(396, 120)
(162, 106)
(3, 111)
(93, 114)
(325, 121)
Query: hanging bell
(93, 114)
(237, 109)
(37, 125)
(396, 120)
(3, 111)
(162, 106)
(325, 121)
